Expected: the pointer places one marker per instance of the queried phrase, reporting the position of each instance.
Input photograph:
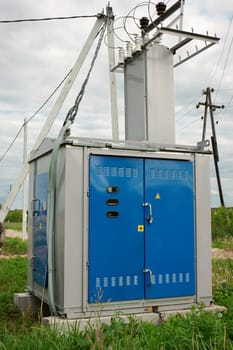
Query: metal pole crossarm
(193, 55)
(190, 35)
(180, 44)
(53, 114)
(164, 16)
(213, 106)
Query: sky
(36, 56)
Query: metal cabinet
(141, 228)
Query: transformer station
(125, 224)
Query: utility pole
(25, 184)
(209, 105)
(112, 75)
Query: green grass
(226, 243)
(14, 246)
(12, 279)
(200, 330)
(223, 290)
(16, 226)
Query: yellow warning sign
(157, 196)
(140, 228)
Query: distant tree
(222, 223)
(15, 215)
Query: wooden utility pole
(208, 105)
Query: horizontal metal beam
(190, 35)
(210, 105)
(180, 44)
(193, 55)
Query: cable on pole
(33, 116)
(43, 19)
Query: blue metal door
(141, 229)
(116, 237)
(169, 236)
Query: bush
(222, 223)
(15, 215)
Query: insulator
(121, 55)
(144, 21)
(129, 50)
(161, 8)
(138, 43)
(146, 38)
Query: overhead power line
(213, 73)
(33, 116)
(73, 111)
(45, 19)
(225, 65)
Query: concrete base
(212, 308)
(155, 318)
(28, 302)
(81, 324)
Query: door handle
(150, 273)
(150, 217)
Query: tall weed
(223, 289)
